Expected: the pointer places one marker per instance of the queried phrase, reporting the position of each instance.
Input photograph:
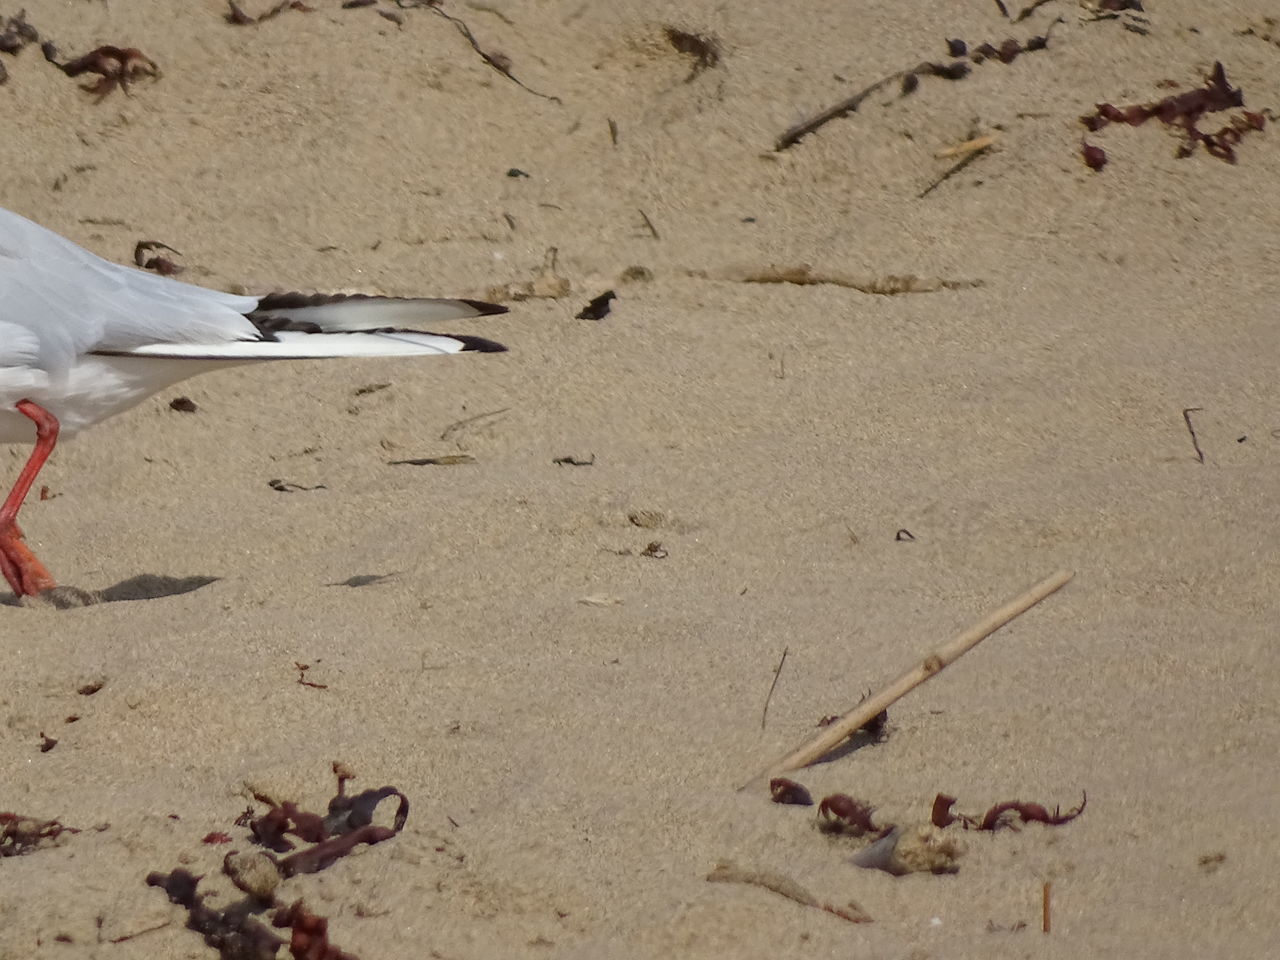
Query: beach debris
(1195, 441)
(909, 79)
(15, 34)
(703, 49)
(648, 224)
(998, 816)
(447, 460)
(1185, 111)
(804, 275)
(285, 486)
(21, 835)
(764, 712)
(115, 66)
(347, 825)
(161, 265)
(498, 61)
(782, 790)
(546, 285)
(1210, 862)
(729, 872)
(600, 600)
(235, 13)
(183, 405)
(968, 151)
(302, 677)
(1095, 158)
(920, 848)
(571, 461)
(598, 308)
(1025, 11)
(233, 932)
(216, 836)
(364, 579)
(841, 813)
(929, 666)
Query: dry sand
(572, 767)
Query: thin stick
(1195, 442)
(930, 666)
(1045, 923)
(764, 714)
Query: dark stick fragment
(1195, 442)
(782, 790)
(598, 308)
(571, 461)
(355, 4)
(768, 697)
(496, 60)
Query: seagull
(82, 339)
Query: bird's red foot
(26, 575)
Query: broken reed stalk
(833, 735)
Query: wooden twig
(795, 134)
(729, 872)
(1195, 441)
(930, 666)
(764, 714)
(1046, 922)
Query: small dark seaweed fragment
(995, 818)
(782, 790)
(233, 932)
(571, 461)
(308, 934)
(20, 835)
(841, 813)
(957, 48)
(705, 50)
(161, 265)
(598, 308)
(1185, 110)
(1095, 158)
(115, 66)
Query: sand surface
(570, 718)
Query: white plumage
(82, 339)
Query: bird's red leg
(19, 565)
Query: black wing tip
(479, 344)
(484, 308)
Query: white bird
(82, 339)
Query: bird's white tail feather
(337, 313)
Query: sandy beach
(851, 396)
